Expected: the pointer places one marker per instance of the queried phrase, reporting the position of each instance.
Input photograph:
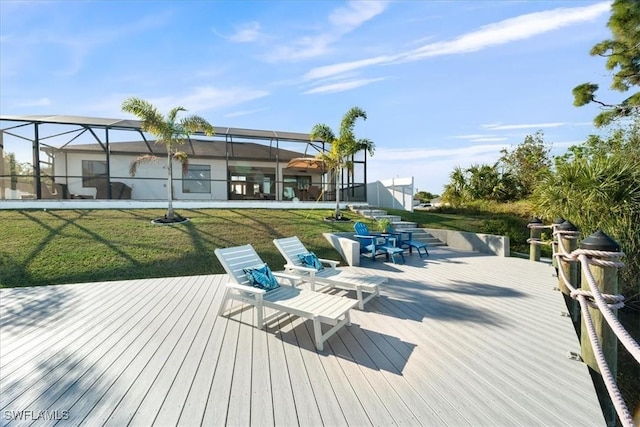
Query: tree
(170, 131)
(623, 55)
(624, 141)
(597, 187)
(525, 164)
(15, 170)
(425, 196)
(456, 192)
(343, 147)
(478, 182)
(483, 180)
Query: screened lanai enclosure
(72, 157)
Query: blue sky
(444, 83)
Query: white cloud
(302, 48)
(246, 33)
(471, 152)
(512, 29)
(506, 31)
(488, 139)
(331, 70)
(244, 112)
(342, 21)
(200, 99)
(470, 136)
(480, 137)
(40, 102)
(342, 86)
(209, 97)
(498, 126)
(356, 13)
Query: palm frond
(349, 120)
(182, 157)
(348, 165)
(365, 144)
(173, 114)
(152, 120)
(195, 123)
(331, 162)
(147, 158)
(322, 132)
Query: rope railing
(609, 381)
(540, 226)
(536, 241)
(594, 298)
(603, 254)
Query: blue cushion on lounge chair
(260, 276)
(311, 260)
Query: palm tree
(600, 193)
(457, 191)
(170, 131)
(343, 147)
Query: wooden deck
(454, 339)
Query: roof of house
(134, 125)
(193, 148)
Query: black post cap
(558, 220)
(535, 220)
(599, 241)
(566, 226)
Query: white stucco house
(252, 171)
(72, 157)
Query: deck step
(419, 234)
(371, 213)
(392, 218)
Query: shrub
(513, 227)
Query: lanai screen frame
(93, 124)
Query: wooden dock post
(569, 243)
(534, 234)
(606, 279)
(569, 268)
(554, 244)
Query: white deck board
(328, 404)
(196, 402)
(183, 382)
(284, 406)
(261, 379)
(454, 339)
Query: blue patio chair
(376, 244)
(404, 239)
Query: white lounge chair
(315, 306)
(292, 247)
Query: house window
(94, 173)
(238, 184)
(197, 179)
(295, 186)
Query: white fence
(394, 193)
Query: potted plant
(385, 225)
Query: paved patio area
(454, 339)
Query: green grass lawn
(72, 246)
